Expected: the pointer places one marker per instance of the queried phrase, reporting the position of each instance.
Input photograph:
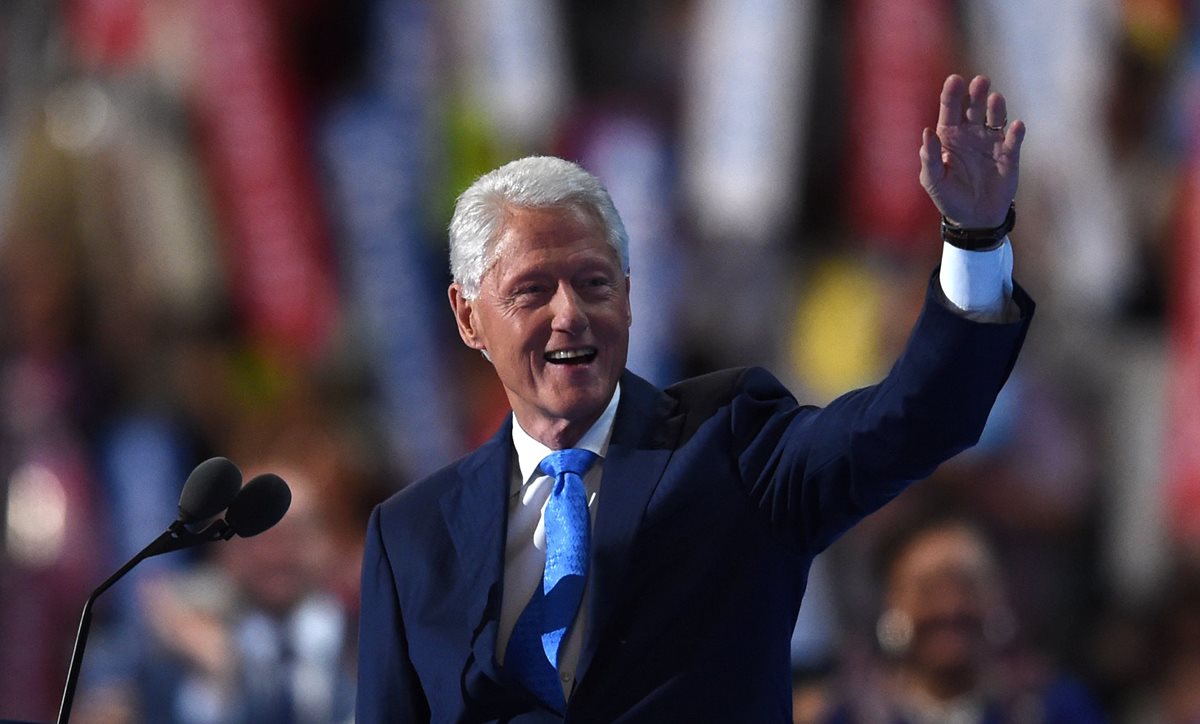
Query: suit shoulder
(700, 398)
(417, 497)
(717, 389)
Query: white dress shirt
(976, 283)
(979, 283)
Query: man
(945, 609)
(621, 553)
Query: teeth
(565, 354)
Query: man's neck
(560, 434)
(530, 450)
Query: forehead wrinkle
(590, 223)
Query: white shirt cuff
(978, 283)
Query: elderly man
(623, 553)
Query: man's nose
(568, 309)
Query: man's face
(946, 584)
(553, 315)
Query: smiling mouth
(579, 356)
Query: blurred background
(222, 231)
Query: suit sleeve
(817, 471)
(389, 691)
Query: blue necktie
(532, 653)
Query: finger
(997, 111)
(932, 170)
(977, 95)
(954, 90)
(1011, 148)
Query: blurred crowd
(222, 232)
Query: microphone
(210, 488)
(214, 486)
(259, 505)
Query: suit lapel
(642, 441)
(475, 514)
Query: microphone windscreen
(260, 505)
(210, 489)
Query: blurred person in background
(943, 635)
(1158, 653)
(260, 636)
(1174, 692)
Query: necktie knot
(571, 460)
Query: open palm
(969, 165)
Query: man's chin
(582, 404)
(584, 409)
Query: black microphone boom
(213, 486)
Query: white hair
(535, 182)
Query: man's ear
(464, 316)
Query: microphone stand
(174, 538)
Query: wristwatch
(978, 239)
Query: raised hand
(969, 165)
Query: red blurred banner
(106, 33)
(1182, 433)
(261, 168)
(898, 58)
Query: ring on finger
(999, 127)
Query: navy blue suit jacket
(716, 495)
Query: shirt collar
(530, 452)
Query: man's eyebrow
(505, 286)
